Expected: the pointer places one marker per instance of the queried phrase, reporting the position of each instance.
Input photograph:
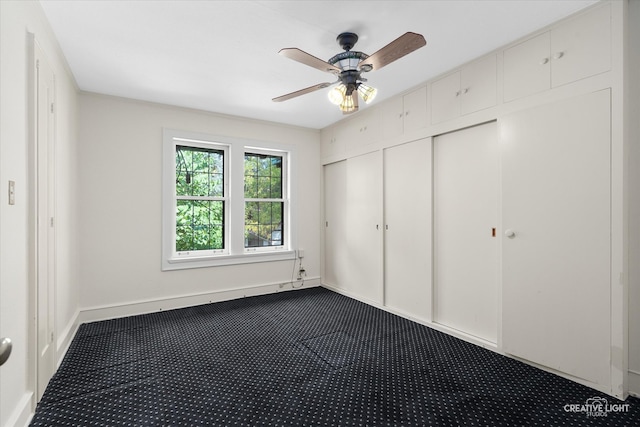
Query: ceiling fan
(349, 65)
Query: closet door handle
(509, 233)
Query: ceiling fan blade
(395, 50)
(308, 59)
(302, 92)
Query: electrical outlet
(300, 253)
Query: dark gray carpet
(303, 358)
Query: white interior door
(45, 231)
(335, 201)
(466, 258)
(556, 264)
(364, 227)
(408, 223)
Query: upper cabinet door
(392, 117)
(445, 98)
(471, 89)
(405, 114)
(478, 82)
(415, 109)
(578, 48)
(581, 47)
(527, 68)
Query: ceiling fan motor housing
(347, 40)
(348, 62)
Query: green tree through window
(200, 199)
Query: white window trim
(234, 252)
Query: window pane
(250, 186)
(276, 186)
(251, 213)
(263, 224)
(199, 225)
(199, 172)
(262, 176)
(264, 187)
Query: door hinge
(51, 221)
(51, 337)
(52, 107)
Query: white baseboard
(66, 336)
(634, 383)
(93, 314)
(22, 413)
(352, 295)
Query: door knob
(5, 350)
(509, 233)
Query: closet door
(556, 257)
(407, 234)
(466, 261)
(363, 246)
(335, 202)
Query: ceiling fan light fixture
(348, 106)
(367, 93)
(337, 94)
(348, 60)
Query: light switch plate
(12, 192)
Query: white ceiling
(222, 56)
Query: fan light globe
(367, 93)
(348, 105)
(336, 95)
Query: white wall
(17, 19)
(120, 156)
(633, 49)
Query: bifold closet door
(556, 203)
(407, 233)
(335, 231)
(466, 258)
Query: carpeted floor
(303, 358)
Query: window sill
(220, 260)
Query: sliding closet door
(364, 227)
(335, 203)
(556, 210)
(407, 234)
(353, 226)
(466, 258)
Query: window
(225, 201)
(200, 199)
(264, 202)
